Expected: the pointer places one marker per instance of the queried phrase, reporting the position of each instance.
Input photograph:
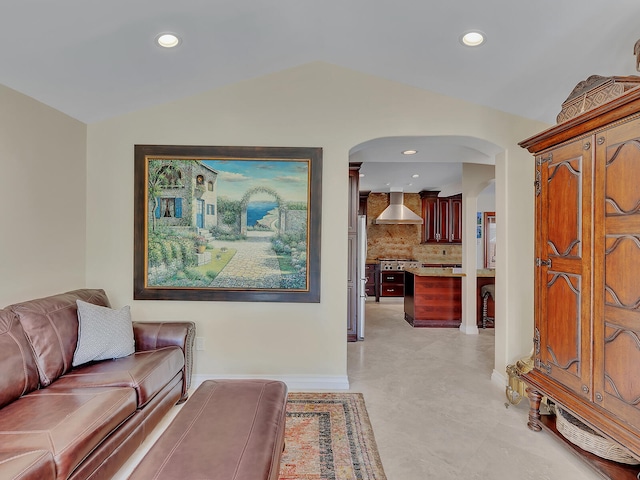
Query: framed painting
(227, 223)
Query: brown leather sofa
(60, 422)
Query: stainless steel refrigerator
(362, 279)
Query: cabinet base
(605, 468)
(420, 323)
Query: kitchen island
(433, 296)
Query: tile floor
(435, 412)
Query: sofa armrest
(153, 335)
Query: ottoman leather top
(228, 429)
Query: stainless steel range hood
(397, 212)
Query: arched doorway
(414, 164)
(277, 203)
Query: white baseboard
(499, 379)
(294, 382)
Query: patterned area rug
(328, 436)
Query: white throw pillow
(103, 333)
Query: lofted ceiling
(436, 165)
(94, 60)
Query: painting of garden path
(254, 265)
(229, 224)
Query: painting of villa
(227, 224)
(183, 194)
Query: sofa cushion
(103, 333)
(18, 367)
(51, 325)
(68, 423)
(146, 372)
(31, 465)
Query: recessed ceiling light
(361, 175)
(410, 152)
(473, 38)
(167, 40)
(415, 175)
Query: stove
(394, 264)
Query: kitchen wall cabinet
(363, 202)
(587, 275)
(455, 219)
(442, 218)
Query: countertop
(486, 272)
(446, 272)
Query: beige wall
(42, 186)
(313, 105)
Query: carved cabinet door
(430, 215)
(455, 211)
(617, 272)
(563, 256)
(444, 215)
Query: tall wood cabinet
(587, 280)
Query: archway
(244, 203)
(436, 158)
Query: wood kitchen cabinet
(392, 284)
(587, 275)
(442, 218)
(432, 298)
(455, 219)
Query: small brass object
(515, 390)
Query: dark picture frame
(224, 223)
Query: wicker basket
(587, 439)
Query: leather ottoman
(228, 429)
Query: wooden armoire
(587, 280)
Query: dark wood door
(455, 219)
(444, 215)
(617, 263)
(430, 216)
(563, 254)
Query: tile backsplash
(403, 241)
